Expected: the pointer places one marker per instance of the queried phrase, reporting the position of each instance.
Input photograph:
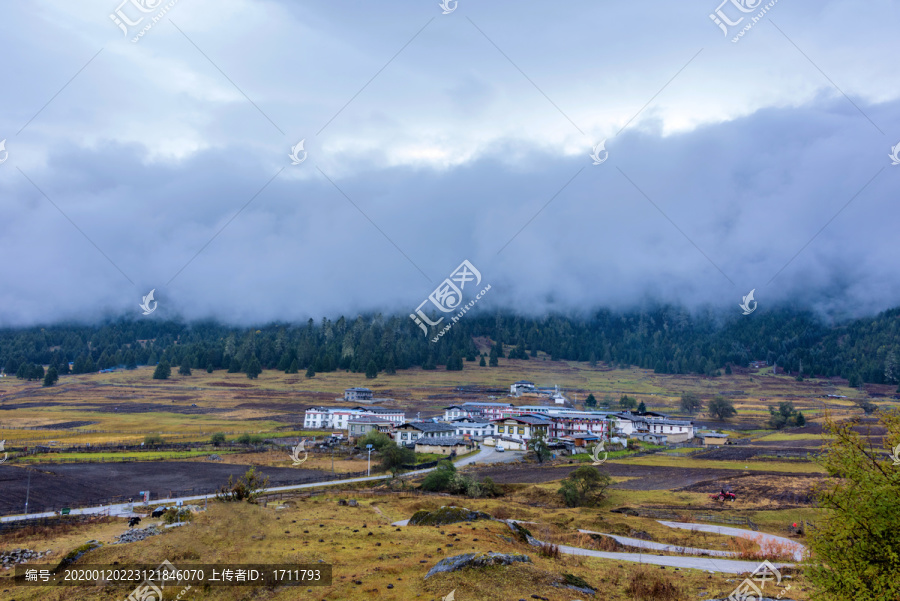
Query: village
(506, 426)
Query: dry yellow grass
(241, 533)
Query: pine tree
(185, 368)
(642, 408)
(209, 367)
(253, 368)
(130, 361)
(52, 376)
(294, 367)
(590, 401)
(371, 370)
(163, 370)
(483, 364)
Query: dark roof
(507, 439)
(526, 419)
(368, 419)
(379, 410)
(443, 441)
(486, 404)
(524, 382)
(474, 420)
(431, 426)
(360, 389)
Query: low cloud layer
(748, 170)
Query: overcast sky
(432, 138)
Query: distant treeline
(667, 340)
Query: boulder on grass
(476, 560)
(446, 515)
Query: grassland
(306, 531)
(124, 406)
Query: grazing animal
(132, 522)
(158, 512)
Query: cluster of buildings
(504, 424)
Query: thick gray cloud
(732, 169)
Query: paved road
(485, 455)
(646, 544)
(728, 566)
(760, 537)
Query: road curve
(646, 544)
(779, 541)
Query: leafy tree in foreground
(690, 402)
(855, 545)
(721, 408)
(217, 438)
(163, 371)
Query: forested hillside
(667, 339)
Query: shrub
(549, 550)
(378, 440)
(247, 438)
(650, 585)
(438, 480)
(153, 440)
(217, 438)
(247, 488)
(584, 487)
(177, 514)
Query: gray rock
(476, 560)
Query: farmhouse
(357, 394)
(456, 411)
(446, 445)
(361, 425)
(336, 418)
(523, 427)
(467, 427)
(509, 443)
(410, 432)
(486, 410)
(708, 439)
(521, 387)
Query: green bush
(584, 487)
(246, 438)
(438, 480)
(153, 440)
(217, 438)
